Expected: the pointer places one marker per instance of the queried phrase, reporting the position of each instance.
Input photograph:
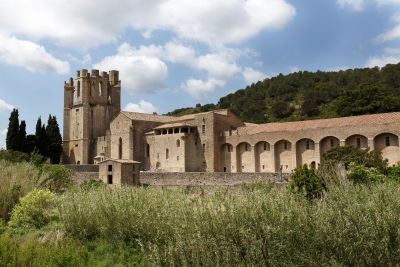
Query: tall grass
(352, 225)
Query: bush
(307, 182)
(91, 184)
(349, 154)
(14, 156)
(17, 179)
(35, 210)
(360, 174)
(57, 178)
(393, 173)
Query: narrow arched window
(178, 143)
(148, 150)
(120, 148)
(167, 153)
(100, 88)
(78, 89)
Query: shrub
(34, 210)
(57, 178)
(393, 173)
(360, 174)
(91, 184)
(14, 156)
(17, 179)
(307, 182)
(349, 154)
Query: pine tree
(54, 140)
(41, 144)
(13, 131)
(22, 137)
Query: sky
(177, 53)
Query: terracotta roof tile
(383, 118)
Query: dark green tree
(54, 140)
(22, 137)
(12, 139)
(41, 138)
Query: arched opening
(226, 157)
(305, 152)
(148, 150)
(167, 153)
(388, 145)
(326, 144)
(313, 165)
(178, 143)
(120, 148)
(245, 158)
(283, 156)
(358, 141)
(263, 157)
(100, 89)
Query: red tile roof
(377, 119)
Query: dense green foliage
(306, 182)
(47, 140)
(306, 95)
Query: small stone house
(117, 172)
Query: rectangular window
(204, 147)
(167, 153)
(110, 168)
(387, 140)
(285, 145)
(109, 179)
(203, 129)
(265, 146)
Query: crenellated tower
(91, 102)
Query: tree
(54, 140)
(12, 139)
(41, 138)
(22, 137)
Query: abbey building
(96, 129)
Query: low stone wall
(83, 168)
(207, 179)
(83, 173)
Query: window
(265, 146)
(285, 145)
(148, 150)
(358, 140)
(167, 153)
(263, 167)
(224, 169)
(229, 147)
(204, 147)
(109, 179)
(110, 168)
(100, 89)
(120, 148)
(308, 145)
(387, 140)
(78, 90)
(203, 129)
(177, 158)
(178, 143)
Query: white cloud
(390, 56)
(218, 66)
(199, 88)
(357, 5)
(389, 35)
(4, 132)
(139, 72)
(251, 75)
(30, 56)
(4, 106)
(142, 107)
(86, 24)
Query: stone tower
(91, 102)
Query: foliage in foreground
(353, 225)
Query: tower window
(148, 150)
(178, 143)
(387, 140)
(167, 153)
(358, 140)
(100, 89)
(120, 148)
(204, 147)
(177, 158)
(203, 128)
(78, 90)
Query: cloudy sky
(176, 53)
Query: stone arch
(283, 156)
(263, 157)
(305, 152)
(388, 145)
(327, 143)
(226, 157)
(120, 148)
(357, 140)
(245, 157)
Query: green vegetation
(46, 142)
(306, 95)
(321, 219)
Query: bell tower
(91, 102)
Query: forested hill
(308, 95)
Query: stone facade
(119, 172)
(216, 141)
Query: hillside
(307, 95)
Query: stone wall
(207, 179)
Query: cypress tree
(13, 131)
(54, 140)
(41, 138)
(22, 137)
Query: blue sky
(176, 53)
